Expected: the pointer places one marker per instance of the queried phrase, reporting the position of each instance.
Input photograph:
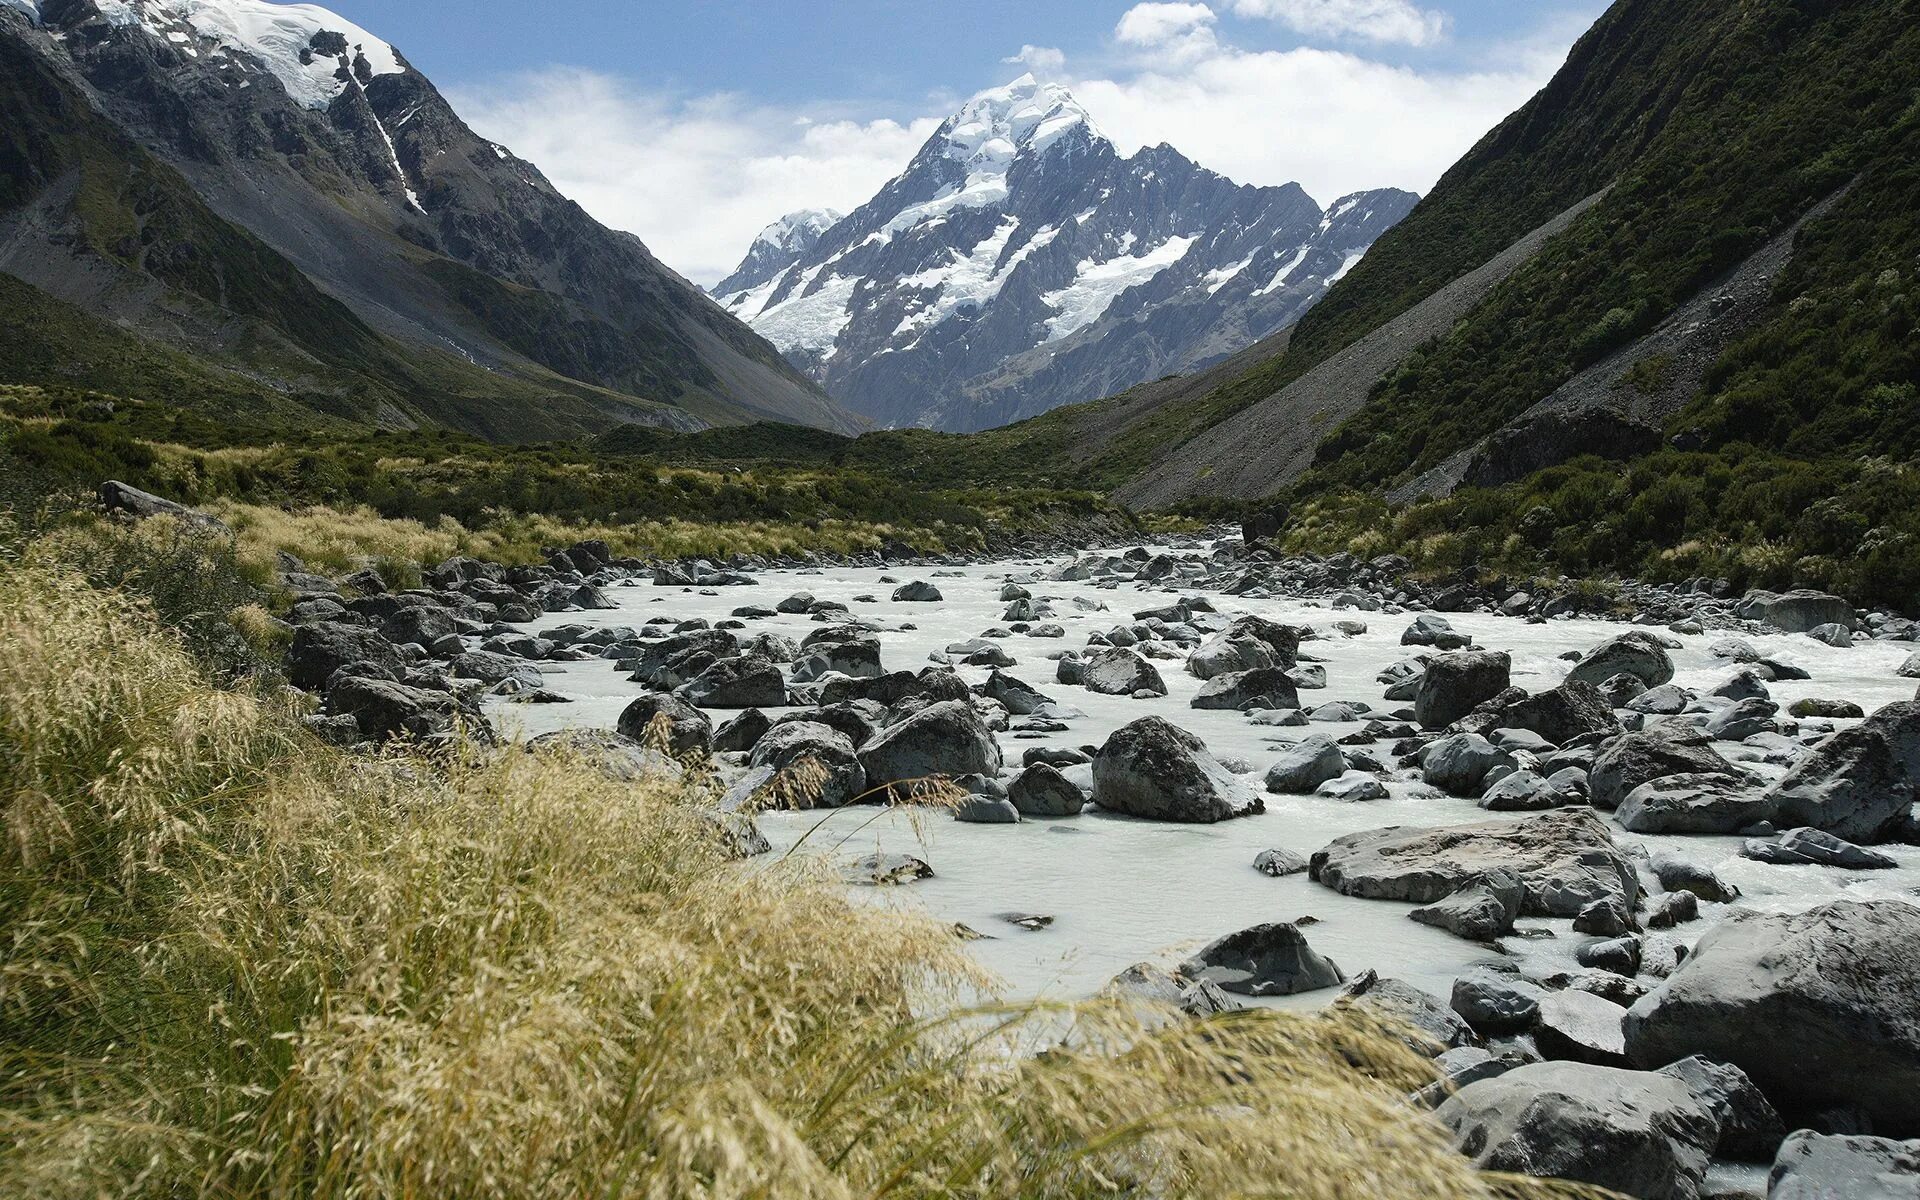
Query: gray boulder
(812, 765)
(1496, 1006)
(743, 682)
(1799, 847)
(1279, 863)
(322, 648)
(1859, 783)
(1563, 860)
(987, 810)
(1479, 912)
(947, 738)
(1399, 1003)
(1635, 654)
(1237, 689)
(917, 592)
(1796, 611)
(1159, 771)
(1649, 754)
(1042, 791)
(1159, 986)
(385, 709)
(1455, 684)
(685, 728)
(1750, 1129)
(1120, 672)
(1821, 1009)
(1432, 629)
(1015, 695)
(1306, 765)
(1693, 803)
(1460, 763)
(1266, 960)
(1812, 1166)
(1578, 1026)
(1639, 1133)
(1560, 715)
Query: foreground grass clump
(243, 964)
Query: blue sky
(695, 123)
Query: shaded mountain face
(1020, 263)
(320, 142)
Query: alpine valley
(1020, 263)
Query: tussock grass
(241, 964)
(341, 539)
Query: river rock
(1560, 715)
(742, 682)
(1639, 1133)
(1400, 1003)
(1120, 672)
(1157, 985)
(1237, 689)
(1455, 684)
(1812, 1166)
(1797, 847)
(320, 649)
(1859, 783)
(1279, 863)
(1479, 912)
(1649, 754)
(1496, 1006)
(1306, 765)
(1563, 861)
(1634, 653)
(1579, 1026)
(1693, 803)
(1459, 763)
(946, 738)
(1266, 960)
(917, 592)
(1750, 1129)
(383, 708)
(1432, 629)
(687, 729)
(1042, 791)
(1159, 771)
(1821, 1009)
(1796, 611)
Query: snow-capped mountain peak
(1019, 263)
(798, 231)
(314, 53)
(1025, 116)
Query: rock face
(1563, 861)
(1860, 783)
(947, 738)
(1266, 960)
(1020, 263)
(1159, 771)
(1121, 672)
(1821, 1009)
(1635, 1132)
(1456, 683)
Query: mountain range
(1020, 263)
(264, 208)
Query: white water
(1121, 890)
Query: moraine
(1122, 890)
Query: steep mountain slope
(316, 145)
(1020, 263)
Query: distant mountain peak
(797, 231)
(1019, 263)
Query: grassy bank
(242, 964)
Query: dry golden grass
(332, 539)
(240, 964)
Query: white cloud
(1397, 21)
(695, 178)
(1041, 60)
(1173, 33)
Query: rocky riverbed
(1537, 834)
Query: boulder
(1796, 611)
(1353, 787)
(1042, 791)
(384, 709)
(946, 738)
(1496, 1006)
(1156, 770)
(1639, 1133)
(1859, 783)
(1750, 1129)
(1479, 912)
(1266, 960)
(1120, 672)
(743, 682)
(834, 778)
(1237, 689)
(1801, 847)
(1399, 1003)
(1649, 754)
(1015, 695)
(320, 649)
(1573, 710)
(1455, 684)
(1821, 1009)
(1225, 655)
(1812, 1166)
(422, 624)
(857, 657)
(1635, 654)
(1692, 803)
(1279, 863)
(686, 729)
(1460, 763)
(917, 592)
(1159, 986)
(1578, 1026)
(495, 670)
(1306, 765)
(1563, 860)
(125, 498)
(987, 810)
(1432, 629)
(743, 732)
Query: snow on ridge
(279, 37)
(1097, 285)
(997, 124)
(969, 280)
(29, 7)
(809, 321)
(789, 230)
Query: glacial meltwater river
(1121, 890)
